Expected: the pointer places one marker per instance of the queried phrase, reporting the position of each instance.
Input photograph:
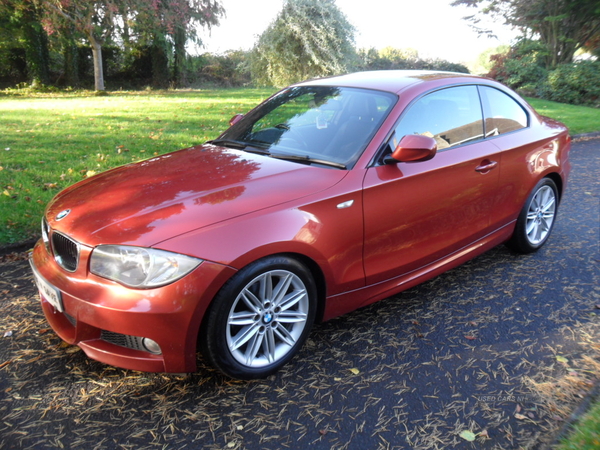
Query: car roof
(393, 80)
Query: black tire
(260, 318)
(536, 219)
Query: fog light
(151, 346)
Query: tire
(260, 318)
(536, 219)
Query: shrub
(577, 83)
(403, 59)
(522, 67)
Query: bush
(577, 83)
(229, 70)
(522, 67)
(399, 59)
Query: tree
(563, 26)
(94, 19)
(166, 23)
(22, 21)
(309, 38)
(167, 26)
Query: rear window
(502, 113)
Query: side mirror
(413, 148)
(235, 119)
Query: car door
(419, 212)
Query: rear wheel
(260, 318)
(536, 219)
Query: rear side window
(451, 116)
(502, 113)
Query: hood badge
(61, 215)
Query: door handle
(486, 166)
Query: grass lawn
(579, 119)
(586, 433)
(50, 141)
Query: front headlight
(140, 267)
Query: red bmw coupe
(330, 195)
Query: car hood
(154, 200)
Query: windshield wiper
(239, 145)
(230, 143)
(308, 160)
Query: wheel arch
(309, 263)
(558, 181)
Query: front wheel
(536, 219)
(260, 318)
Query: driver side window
(451, 116)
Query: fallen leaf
(562, 359)
(90, 173)
(483, 433)
(520, 416)
(355, 371)
(471, 338)
(6, 193)
(467, 435)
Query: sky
(432, 27)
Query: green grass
(586, 433)
(579, 119)
(50, 141)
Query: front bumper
(95, 310)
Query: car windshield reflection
(312, 124)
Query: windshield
(315, 124)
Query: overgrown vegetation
(523, 68)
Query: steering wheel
(291, 135)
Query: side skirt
(349, 301)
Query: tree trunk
(36, 48)
(179, 58)
(98, 70)
(160, 62)
(71, 61)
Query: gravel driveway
(502, 347)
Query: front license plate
(47, 291)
